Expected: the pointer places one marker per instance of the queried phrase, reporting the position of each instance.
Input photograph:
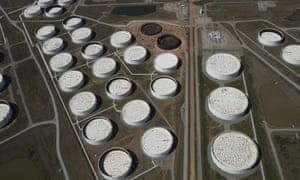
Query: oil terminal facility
(159, 89)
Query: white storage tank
(53, 46)
(92, 50)
(45, 32)
(223, 66)
(71, 81)
(32, 11)
(234, 153)
(228, 104)
(5, 113)
(119, 88)
(45, 3)
(135, 55)
(121, 39)
(270, 37)
(83, 103)
(82, 35)
(136, 112)
(116, 163)
(104, 67)
(65, 2)
(157, 142)
(54, 11)
(166, 62)
(61, 62)
(2, 82)
(98, 131)
(291, 54)
(164, 87)
(72, 22)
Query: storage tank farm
(121, 39)
(83, 103)
(61, 62)
(32, 11)
(135, 55)
(6, 113)
(223, 66)
(72, 22)
(54, 11)
(116, 163)
(82, 35)
(71, 81)
(234, 153)
(166, 62)
(53, 46)
(98, 131)
(228, 104)
(291, 54)
(45, 32)
(92, 50)
(164, 87)
(119, 88)
(157, 142)
(270, 37)
(136, 112)
(104, 67)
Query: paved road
(192, 96)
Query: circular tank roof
(98, 131)
(119, 88)
(53, 45)
(82, 35)
(166, 62)
(104, 67)
(61, 62)
(291, 54)
(71, 81)
(44, 3)
(54, 11)
(234, 152)
(116, 163)
(92, 50)
(121, 39)
(270, 37)
(32, 11)
(164, 87)
(83, 103)
(168, 42)
(157, 142)
(45, 32)
(65, 2)
(150, 29)
(227, 103)
(5, 113)
(135, 55)
(136, 112)
(223, 66)
(72, 22)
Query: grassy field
(35, 91)
(31, 156)
(288, 148)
